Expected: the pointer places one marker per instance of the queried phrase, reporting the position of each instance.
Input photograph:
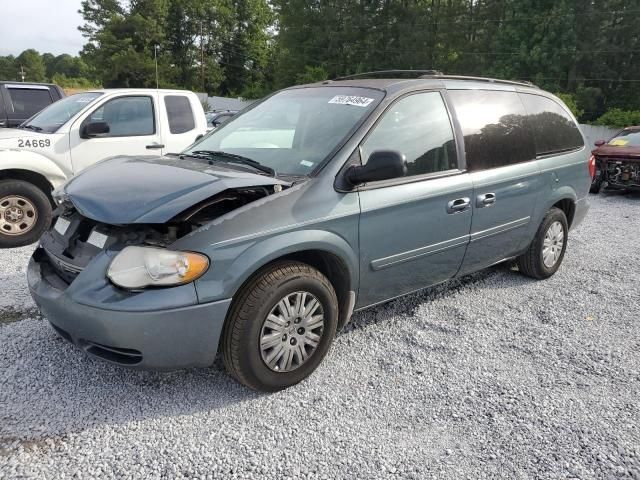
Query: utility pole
(202, 56)
(22, 72)
(155, 55)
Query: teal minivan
(261, 239)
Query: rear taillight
(592, 166)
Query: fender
(225, 278)
(563, 193)
(34, 162)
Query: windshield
(293, 131)
(626, 138)
(57, 114)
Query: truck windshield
(626, 138)
(293, 131)
(57, 114)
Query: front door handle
(458, 205)
(154, 146)
(485, 200)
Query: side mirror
(199, 137)
(599, 143)
(95, 129)
(381, 165)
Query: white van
(77, 132)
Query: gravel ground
(494, 375)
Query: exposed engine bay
(75, 239)
(622, 174)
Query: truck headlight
(140, 267)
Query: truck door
(122, 125)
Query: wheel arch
(29, 176)
(325, 251)
(568, 206)
(565, 199)
(31, 167)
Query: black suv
(20, 101)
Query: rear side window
(494, 128)
(29, 101)
(180, 114)
(419, 127)
(553, 128)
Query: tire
(25, 213)
(532, 262)
(247, 325)
(596, 183)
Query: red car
(618, 161)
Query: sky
(46, 25)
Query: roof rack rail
(377, 73)
(523, 83)
(435, 74)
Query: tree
(8, 68)
(31, 61)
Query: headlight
(139, 267)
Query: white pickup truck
(78, 131)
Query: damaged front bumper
(158, 329)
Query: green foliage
(33, 65)
(249, 48)
(79, 83)
(591, 101)
(64, 70)
(218, 46)
(619, 118)
(311, 75)
(569, 100)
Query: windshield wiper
(32, 127)
(233, 158)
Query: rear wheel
(25, 213)
(280, 326)
(545, 254)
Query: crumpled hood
(126, 190)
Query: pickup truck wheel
(280, 326)
(545, 254)
(25, 213)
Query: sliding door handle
(154, 146)
(485, 200)
(458, 205)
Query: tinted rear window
(493, 125)
(180, 114)
(553, 128)
(28, 101)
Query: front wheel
(280, 327)
(596, 183)
(545, 254)
(25, 213)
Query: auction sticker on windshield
(351, 100)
